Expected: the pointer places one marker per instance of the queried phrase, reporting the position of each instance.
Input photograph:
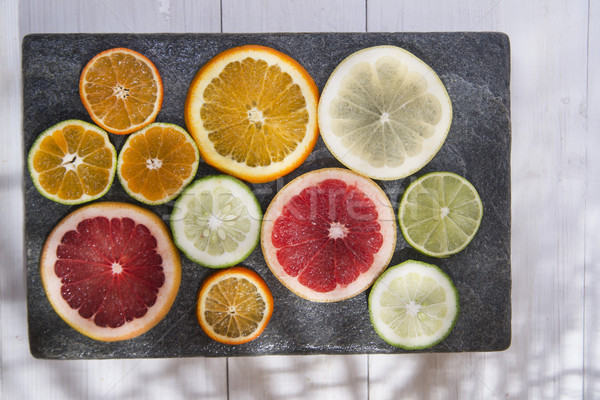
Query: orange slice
(121, 90)
(234, 305)
(72, 162)
(157, 163)
(253, 112)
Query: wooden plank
(548, 43)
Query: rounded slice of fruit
(328, 234)
(110, 270)
(413, 305)
(440, 213)
(384, 113)
(72, 162)
(121, 89)
(216, 221)
(157, 162)
(234, 306)
(253, 112)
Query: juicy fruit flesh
(109, 270)
(73, 162)
(327, 235)
(254, 113)
(121, 90)
(157, 163)
(234, 308)
(383, 112)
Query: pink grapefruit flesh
(110, 270)
(328, 234)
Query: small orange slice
(253, 112)
(234, 305)
(72, 162)
(122, 90)
(157, 162)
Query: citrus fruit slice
(216, 221)
(110, 270)
(157, 162)
(413, 305)
(121, 89)
(253, 112)
(328, 234)
(384, 113)
(72, 162)
(440, 213)
(234, 305)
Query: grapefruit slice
(110, 270)
(328, 234)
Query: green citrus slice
(216, 221)
(413, 305)
(384, 113)
(440, 213)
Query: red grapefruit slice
(110, 270)
(328, 234)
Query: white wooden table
(555, 351)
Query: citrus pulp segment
(121, 89)
(328, 234)
(384, 113)
(253, 112)
(110, 270)
(234, 306)
(440, 213)
(216, 221)
(413, 305)
(157, 162)
(72, 162)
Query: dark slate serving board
(475, 67)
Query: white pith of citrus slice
(384, 113)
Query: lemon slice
(440, 213)
(384, 113)
(413, 305)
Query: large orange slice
(122, 90)
(253, 112)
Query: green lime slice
(216, 221)
(440, 213)
(413, 305)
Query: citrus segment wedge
(253, 112)
(121, 89)
(234, 306)
(110, 270)
(157, 162)
(72, 162)
(440, 213)
(384, 113)
(413, 305)
(328, 234)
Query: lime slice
(216, 221)
(413, 305)
(384, 113)
(440, 213)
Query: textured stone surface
(475, 67)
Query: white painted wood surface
(555, 350)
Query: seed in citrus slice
(216, 221)
(253, 112)
(234, 305)
(328, 234)
(72, 162)
(110, 270)
(384, 113)
(121, 89)
(413, 305)
(440, 213)
(157, 162)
